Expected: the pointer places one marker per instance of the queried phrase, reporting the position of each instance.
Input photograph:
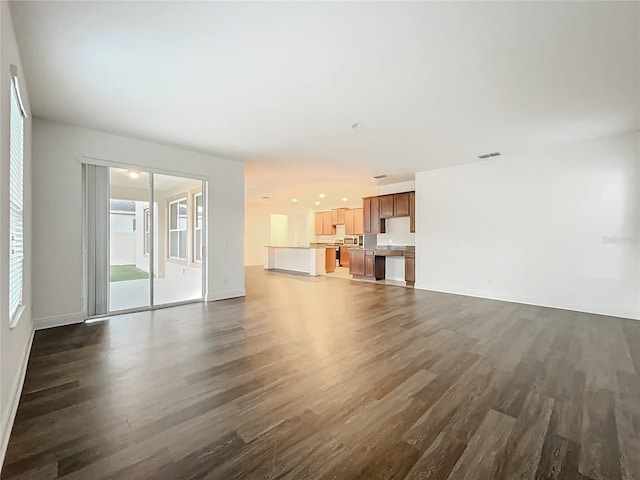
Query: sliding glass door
(144, 239)
(129, 244)
(178, 230)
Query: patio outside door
(144, 239)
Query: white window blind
(16, 197)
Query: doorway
(145, 240)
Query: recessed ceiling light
(344, 199)
(321, 195)
(356, 127)
(134, 174)
(294, 200)
(317, 203)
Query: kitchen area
(375, 243)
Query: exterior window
(178, 229)
(197, 227)
(147, 234)
(16, 198)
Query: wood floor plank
(524, 446)
(484, 454)
(559, 459)
(395, 383)
(600, 452)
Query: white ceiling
(280, 84)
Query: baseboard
(619, 313)
(14, 400)
(58, 321)
(225, 295)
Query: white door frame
(151, 171)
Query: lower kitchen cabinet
(410, 268)
(344, 256)
(356, 262)
(364, 264)
(330, 259)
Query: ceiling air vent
(267, 198)
(378, 177)
(489, 155)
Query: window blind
(16, 197)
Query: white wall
(122, 248)
(556, 228)
(400, 187)
(398, 232)
(258, 229)
(57, 150)
(15, 342)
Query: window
(198, 214)
(16, 197)
(147, 234)
(178, 229)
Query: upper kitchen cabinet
(401, 204)
(338, 216)
(358, 221)
(349, 226)
(327, 225)
(387, 206)
(323, 224)
(377, 209)
(318, 224)
(371, 214)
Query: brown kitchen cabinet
(357, 221)
(412, 212)
(318, 223)
(330, 259)
(348, 222)
(323, 224)
(386, 206)
(356, 262)
(401, 205)
(371, 215)
(365, 264)
(344, 256)
(334, 217)
(327, 227)
(368, 265)
(410, 268)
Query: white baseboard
(608, 312)
(212, 297)
(58, 320)
(14, 400)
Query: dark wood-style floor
(321, 378)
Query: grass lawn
(122, 273)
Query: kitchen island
(309, 260)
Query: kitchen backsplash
(397, 232)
